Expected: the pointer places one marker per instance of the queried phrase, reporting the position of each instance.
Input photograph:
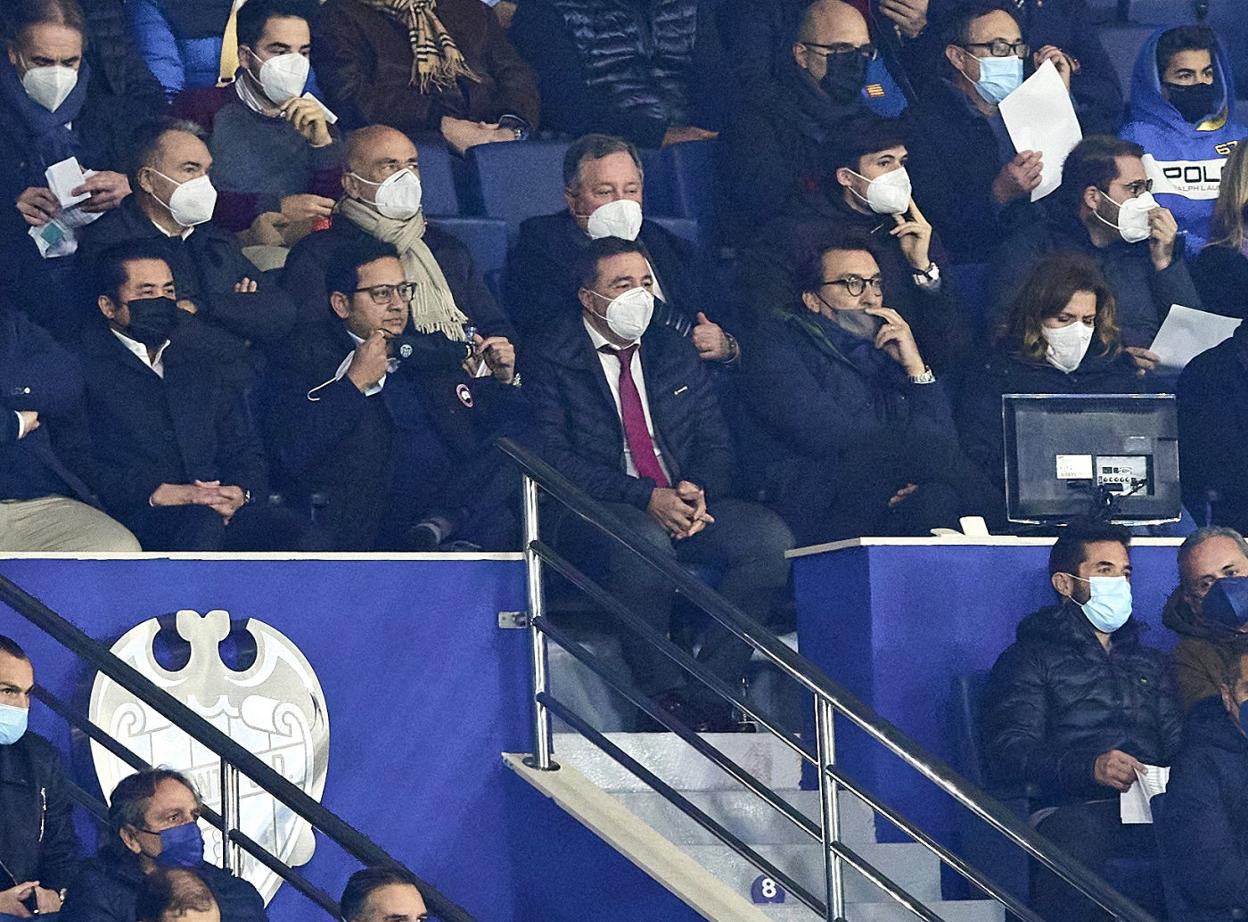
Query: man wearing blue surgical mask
(972, 179)
(1208, 610)
(1078, 708)
(153, 821)
(38, 846)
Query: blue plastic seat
(515, 181)
(437, 180)
(486, 240)
(685, 228)
(688, 172)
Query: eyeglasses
(1139, 187)
(384, 294)
(856, 284)
(1000, 48)
(867, 52)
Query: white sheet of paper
(1040, 116)
(63, 178)
(1133, 804)
(1188, 332)
(329, 115)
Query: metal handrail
(830, 696)
(278, 787)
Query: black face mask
(1193, 102)
(844, 78)
(151, 320)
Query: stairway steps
(948, 911)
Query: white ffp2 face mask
(50, 86)
(621, 218)
(398, 195)
(1132, 223)
(192, 202)
(1068, 345)
(888, 193)
(628, 314)
(283, 76)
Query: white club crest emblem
(275, 709)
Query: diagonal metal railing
(831, 700)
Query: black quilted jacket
(1057, 700)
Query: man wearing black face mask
(769, 151)
(178, 462)
(1183, 116)
(1203, 822)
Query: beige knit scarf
(433, 306)
(437, 61)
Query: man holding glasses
(850, 431)
(389, 431)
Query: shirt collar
(599, 340)
(186, 233)
(140, 352)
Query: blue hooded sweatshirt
(1183, 160)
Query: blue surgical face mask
(12, 724)
(1109, 605)
(181, 846)
(1226, 602)
(998, 78)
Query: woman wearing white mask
(1061, 337)
(273, 145)
(49, 113)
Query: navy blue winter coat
(1203, 828)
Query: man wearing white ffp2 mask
(1104, 211)
(273, 144)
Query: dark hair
(594, 147)
(955, 29)
(130, 798)
(1071, 547)
(20, 15)
(843, 239)
(12, 648)
(342, 274)
(254, 15)
(863, 135)
(148, 137)
(1046, 291)
(110, 266)
(600, 249)
(1093, 162)
(173, 891)
(362, 884)
(1184, 38)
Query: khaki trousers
(56, 523)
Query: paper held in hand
(1040, 116)
(1133, 803)
(1187, 332)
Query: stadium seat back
(512, 182)
(437, 180)
(485, 238)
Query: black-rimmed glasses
(867, 52)
(856, 284)
(384, 294)
(1000, 48)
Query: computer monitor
(1073, 455)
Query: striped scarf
(437, 61)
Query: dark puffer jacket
(116, 65)
(1199, 657)
(1057, 700)
(107, 888)
(37, 838)
(1203, 827)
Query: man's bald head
(374, 153)
(832, 22)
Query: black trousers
(1093, 834)
(253, 528)
(746, 542)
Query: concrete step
(911, 867)
(747, 817)
(960, 911)
(675, 762)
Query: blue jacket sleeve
(158, 45)
(1197, 837)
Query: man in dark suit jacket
(178, 462)
(624, 409)
(234, 305)
(45, 505)
(389, 425)
(602, 180)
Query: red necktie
(640, 445)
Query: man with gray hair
(1208, 610)
(176, 895)
(603, 192)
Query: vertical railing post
(541, 757)
(829, 808)
(231, 852)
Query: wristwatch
(930, 275)
(926, 378)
